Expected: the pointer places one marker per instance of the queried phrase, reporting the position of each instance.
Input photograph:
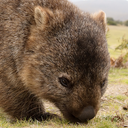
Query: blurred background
(117, 9)
(117, 21)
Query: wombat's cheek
(80, 113)
(82, 109)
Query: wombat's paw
(45, 116)
(49, 116)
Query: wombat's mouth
(71, 118)
(86, 114)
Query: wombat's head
(67, 61)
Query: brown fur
(43, 41)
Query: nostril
(87, 114)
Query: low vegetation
(124, 46)
(111, 21)
(114, 38)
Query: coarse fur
(50, 49)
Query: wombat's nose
(87, 114)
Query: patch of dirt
(116, 90)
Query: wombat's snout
(86, 114)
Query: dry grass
(114, 37)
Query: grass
(114, 39)
(99, 122)
(118, 76)
(111, 114)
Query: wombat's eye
(64, 81)
(103, 83)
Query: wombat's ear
(42, 16)
(100, 17)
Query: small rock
(125, 107)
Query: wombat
(50, 49)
